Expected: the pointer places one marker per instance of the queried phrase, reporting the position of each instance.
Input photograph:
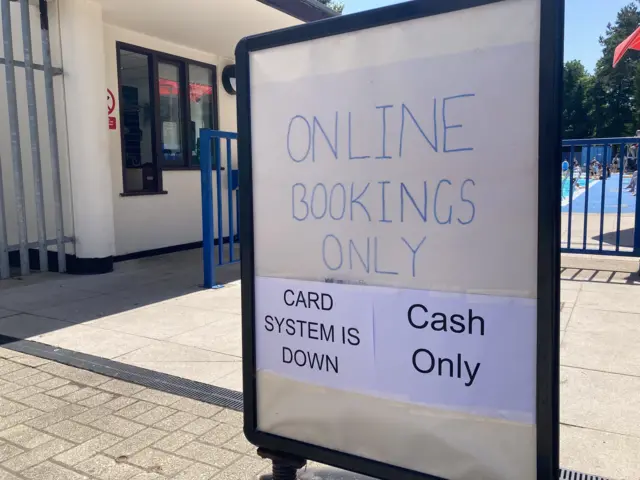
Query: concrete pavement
(151, 313)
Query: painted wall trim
(305, 10)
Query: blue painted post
(571, 157)
(636, 227)
(620, 178)
(219, 199)
(206, 183)
(230, 198)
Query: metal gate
(215, 161)
(599, 203)
(24, 211)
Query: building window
(164, 102)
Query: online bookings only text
(437, 201)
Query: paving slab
(151, 313)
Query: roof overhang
(305, 10)
(214, 26)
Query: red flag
(632, 42)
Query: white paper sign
(470, 353)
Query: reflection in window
(136, 119)
(201, 106)
(170, 114)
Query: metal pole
(206, 190)
(12, 107)
(53, 136)
(34, 134)
(5, 269)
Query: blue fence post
(206, 183)
(636, 224)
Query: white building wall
(148, 222)
(6, 161)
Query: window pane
(201, 102)
(136, 120)
(170, 114)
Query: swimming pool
(566, 186)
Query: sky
(585, 21)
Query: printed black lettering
(326, 301)
(326, 334)
(311, 360)
(353, 340)
(287, 355)
(302, 323)
(268, 323)
(425, 362)
(285, 298)
(458, 326)
(439, 325)
(291, 327)
(410, 316)
(279, 321)
(313, 298)
(441, 362)
(301, 300)
(313, 331)
(471, 319)
(426, 358)
(472, 374)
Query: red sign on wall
(111, 106)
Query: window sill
(142, 194)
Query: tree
(336, 5)
(575, 114)
(613, 96)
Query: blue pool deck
(611, 189)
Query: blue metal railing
(209, 237)
(596, 186)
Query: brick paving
(62, 423)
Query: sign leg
(284, 467)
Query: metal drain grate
(203, 392)
(572, 475)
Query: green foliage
(336, 5)
(575, 113)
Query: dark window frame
(183, 63)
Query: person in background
(633, 184)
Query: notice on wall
(395, 196)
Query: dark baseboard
(90, 266)
(95, 266)
(165, 250)
(75, 265)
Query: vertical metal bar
(230, 199)
(219, 199)
(5, 269)
(636, 226)
(238, 206)
(620, 175)
(34, 134)
(12, 107)
(206, 191)
(586, 199)
(571, 154)
(53, 136)
(605, 157)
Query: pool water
(566, 186)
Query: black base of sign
(284, 467)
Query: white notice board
(392, 281)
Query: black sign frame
(549, 189)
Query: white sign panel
(395, 217)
